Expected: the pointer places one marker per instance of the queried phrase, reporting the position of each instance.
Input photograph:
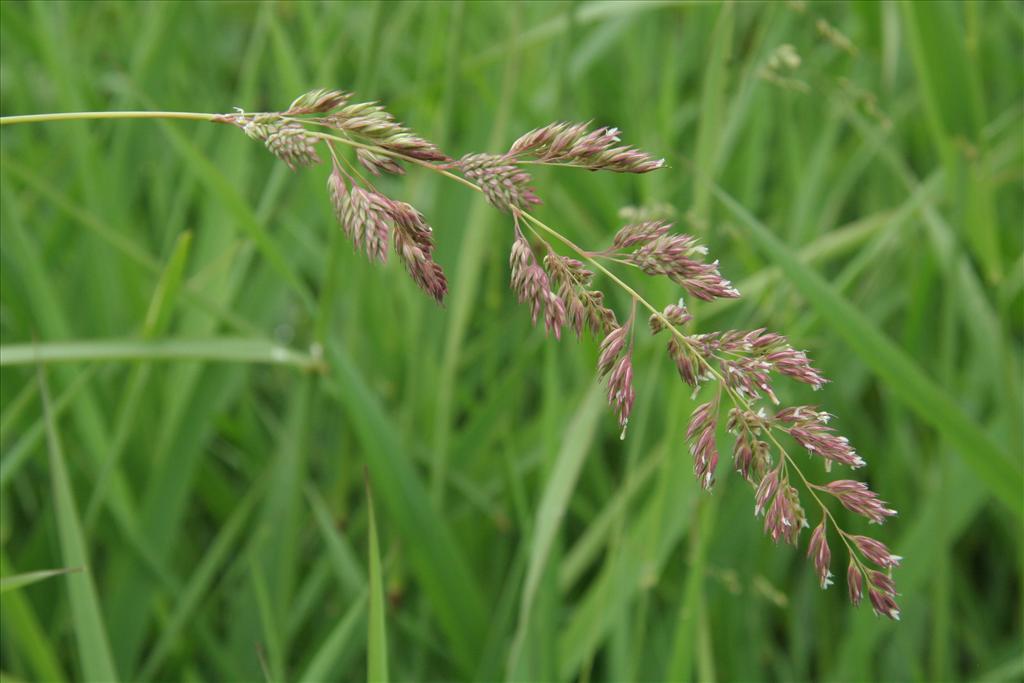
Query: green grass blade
(90, 633)
(275, 546)
(377, 637)
(45, 188)
(1012, 670)
(189, 600)
(24, 634)
(685, 640)
(339, 639)
(17, 407)
(899, 372)
(15, 581)
(553, 505)
(118, 241)
(224, 349)
(346, 637)
(161, 305)
(590, 12)
(954, 116)
(437, 560)
(582, 554)
(271, 639)
(635, 561)
(712, 103)
(16, 456)
(833, 244)
(339, 550)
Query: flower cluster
(368, 121)
(584, 306)
(652, 248)
(746, 359)
(371, 122)
(573, 144)
(562, 287)
(856, 497)
(741, 366)
(615, 364)
(292, 144)
(809, 428)
(319, 101)
(531, 284)
(505, 184)
(701, 435)
(414, 243)
(378, 163)
(371, 220)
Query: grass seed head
(743, 364)
(317, 102)
(573, 145)
(292, 144)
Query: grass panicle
(742, 365)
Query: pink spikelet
(414, 244)
(855, 583)
(504, 183)
(701, 435)
(531, 285)
(876, 551)
(616, 364)
(821, 556)
(857, 497)
(575, 145)
(809, 428)
(882, 594)
(584, 306)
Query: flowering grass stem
(561, 287)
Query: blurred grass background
(867, 201)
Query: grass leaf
(87, 621)
(377, 637)
(338, 639)
(224, 349)
(15, 581)
(437, 560)
(554, 503)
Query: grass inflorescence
(741, 365)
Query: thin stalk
(84, 115)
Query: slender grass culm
(560, 288)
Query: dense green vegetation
(236, 385)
